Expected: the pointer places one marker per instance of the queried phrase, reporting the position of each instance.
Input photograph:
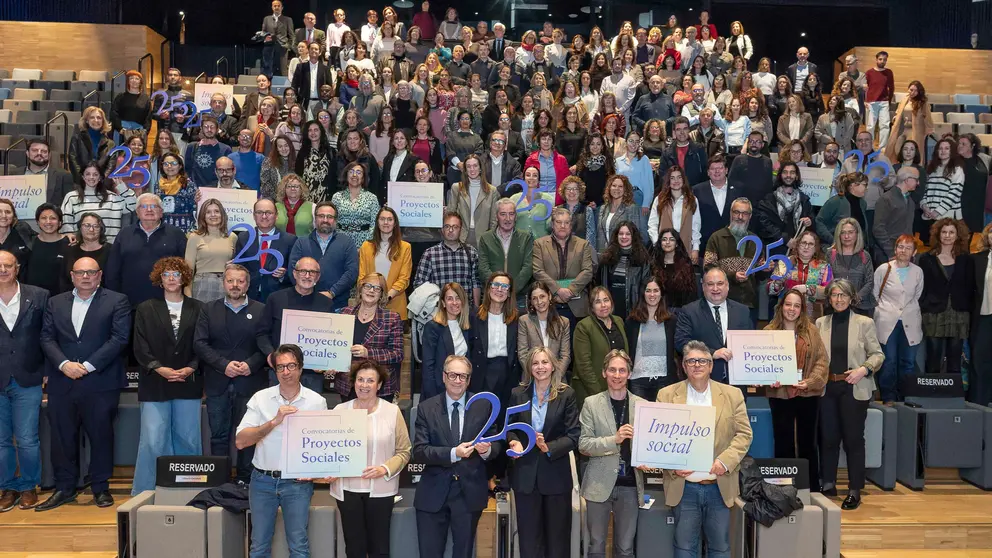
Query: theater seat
(20, 130)
(60, 75)
(4, 94)
(28, 74)
(952, 117)
(84, 87)
(986, 139)
(50, 85)
(939, 130)
(65, 95)
(53, 106)
(31, 117)
(18, 104)
(967, 99)
(322, 530)
(939, 98)
(6, 115)
(938, 117)
(93, 75)
(944, 107)
(977, 110)
(13, 84)
(246, 79)
(973, 129)
(4, 74)
(985, 118)
(30, 94)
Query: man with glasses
(563, 262)
(702, 499)
(138, 247)
(830, 159)
(225, 172)
(859, 78)
(711, 317)
(267, 242)
(201, 156)
(368, 102)
(303, 296)
(753, 171)
(83, 335)
(497, 165)
(657, 104)
(247, 162)
(881, 177)
(334, 251)
(894, 213)
(22, 309)
(508, 250)
(227, 125)
(262, 428)
(451, 261)
(453, 488)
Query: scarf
(171, 186)
(291, 214)
(595, 162)
(527, 47)
(259, 140)
(788, 205)
(856, 211)
(351, 83)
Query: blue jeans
(167, 428)
(19, 410)
(702, 510)
(900, 361)
(266, 496)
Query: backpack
(421, 308)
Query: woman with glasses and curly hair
(948, 291)
(170, 382)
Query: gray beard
(739, 231)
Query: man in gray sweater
(368, 102)
(894, 213)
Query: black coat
(938, 287)
(695, 162)
(770, 226)
(546, 473)
(503, 381)
(156, 344)
(22, 356)
(405, 174)
(223, 336)
(301, 80)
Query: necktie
(719, 322)
(309, 36)
(262, 254)
(456, 422)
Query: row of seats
(55, 75)
(958, 99)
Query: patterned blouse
(816, 273)
(180, 210)
(315, 170)
(357, 217)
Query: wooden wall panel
(76, 46)
(941, 70)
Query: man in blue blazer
(262, 285)
(709, 319)
(83, 335)
(454, 488)
(334, 250)
(233, 365)
(22, 308)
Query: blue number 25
(523, 427)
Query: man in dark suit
(497, 44)
(801, 70)
(309, 77)
(453, 488)
(58, 182)
(233, 365)
(83, 335)
(262, 285)
(714, 198)
(22, 308)
(309, 33)
(498, 166)
(278, 29)
(709, 319)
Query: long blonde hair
(441, 315)
(558, 384)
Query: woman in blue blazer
(450, 333)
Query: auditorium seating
(937, 433)
(763, 440)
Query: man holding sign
(702, 499)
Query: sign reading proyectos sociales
(320, 444)
(324, 338)
(238, 203)
(762, 358)
(673, 436)
(418, 204)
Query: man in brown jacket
(564, 263)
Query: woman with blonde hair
(263, 126)
(294, 208)
(389, 255)
(208, 249)
(795, 123)
(378, 335)
(739, 43)
(91, 142)
(448, 333)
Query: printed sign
(204, 91)
(817, 184)
(324, 338)
(319, 444)
(238, 203)
(418, 204)
(673, 436)
(26, 191)
(762, 358)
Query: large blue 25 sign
(271, 253)
(522, 427)
(548, 206)
(753, 268)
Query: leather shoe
(8, 500)
(56, 500)
(103, 499)
(852, 501)
(29, 499)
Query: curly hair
(628, 190)
(171, 263)
(960, 244)
(608, 161)
(578, 184)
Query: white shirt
(461, 347)
(394, 171)
(497, 336)
(10, 310)
(449, 408)
(985, 310)
(654, 221)
(314, 92)
(369, 34)
(263, 407)
(704, 399)
(335, 32)
(497, 166)
(802, 72)
(382, 262)
(79, 309)
(719, 196)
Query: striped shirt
(111, 211)
(943, 195)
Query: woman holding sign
(855, 356)
(366, 502)
(208, 249)
(810, 274)
(542, 478)
(378, 335)
(796, 409)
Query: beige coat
(484, 212)
(920, 126)
(598, 441)
(529, 338)
(862, 350)
(579, 270)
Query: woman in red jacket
(553, 165)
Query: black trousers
(543, 524)
(494, 377)
(794, 425)
(96, 413)
(648, 388)
(980, 377)
(940, 348)
(365, 521)
(432, 527)
(842, 418)
(224, 414)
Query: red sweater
(561, 170)
(881, 85)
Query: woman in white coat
(898, 320)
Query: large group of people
(596, 194)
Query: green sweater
(303, 219)
(518, 264)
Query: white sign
(203, 91)
(418, 204)
(238, 203)
(27, 191)
(762, 357)
(816, 183)
(320, 444)
(673, 436)
(324, 338)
